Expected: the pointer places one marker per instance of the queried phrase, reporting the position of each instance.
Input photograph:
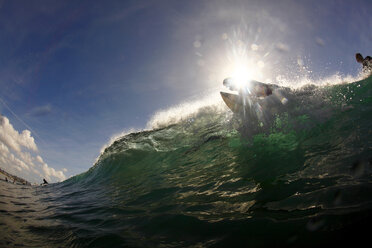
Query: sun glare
(242, 71)
(243, 62)
(241, 75)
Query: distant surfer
(44, 182)
(366, 62)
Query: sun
(242, 71)
(241, 75)
(242, 64)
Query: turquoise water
(300, 176)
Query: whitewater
(201, 176)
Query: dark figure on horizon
(366, 62)
(44, 182)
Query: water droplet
(254, 47)
(338, 198)
(314, 224)
(357, 168)
(197, 44)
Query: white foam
(184, 111)
(172, 115)
(334, 79)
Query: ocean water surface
(296, 176)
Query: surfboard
(255, 91)
(233, 101)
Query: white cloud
(18, 155)
(39, 159)
(14, 140)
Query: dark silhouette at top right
(366, 62)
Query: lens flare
(242, 71)
(241, 75)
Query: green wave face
(216, 177)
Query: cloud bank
(19, 155)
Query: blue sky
(75, 73)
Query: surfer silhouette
(366, 62)
(44, 182)
(253, 87)
(262, 90)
